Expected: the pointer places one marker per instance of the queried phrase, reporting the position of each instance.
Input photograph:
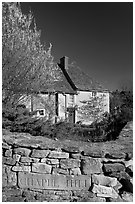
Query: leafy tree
(27, 65)
(122, 101)
(92, 109)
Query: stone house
(67, 94)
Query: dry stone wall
(35, 169)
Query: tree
(27, 66)
(92, 109)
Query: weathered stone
(41, 168)
(58, 155)
(127, 197)
(40, 153)
(69, 163)
(29, 160)
(91, 166)
(116, 155)
(71, 149)
(5, 145)
(104, 180)
(22, 151)
(103, 191)
(8, 153)
(118, 199)
(21, 168)
(93, 152)
(75, 156)
(49, 181)
(12, 179)
(114, 167)
(15, 199)
(75, 171)
(52, 161)
(8, 160)
(129, 163)
(9, 177)
(16, 157)
(60, 171)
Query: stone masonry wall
(36, 171)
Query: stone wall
(38, 169)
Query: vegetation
(27, 66)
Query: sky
(98, 36)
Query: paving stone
(69, 163)
(22, 151)
(103, 191)
(104, 180)
(58, 155)
(40, 153)
(91, 166)
(41, 168)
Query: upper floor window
(71, 100)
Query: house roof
(80, 80)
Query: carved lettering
(48, 181)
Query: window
(94, 93)
(71, 100)
(41, 112)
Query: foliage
(122, 101)
(92, 109)
(26, 64)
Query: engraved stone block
(48, 181)
(41, 168)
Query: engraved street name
(48, 181)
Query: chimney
(64, 62)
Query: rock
(22, 151)
(113, 167)
(40, 153)
(5, 145)
(8, 153)
(41, 168)
(116, 155)
(75, 171)
(8, 160)
(104, 180)
(52, 161)
(69, 163)
(129, 170)
(11, 177)
(127, 197)
(16, 157)
(103, 191)
(71, 149)
(91, 166)
(21, 168)
(75, 156)
(29, 159)
(127, 185)
(92, 152)
(58, 155)
(60, 171)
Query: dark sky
(97, 36)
